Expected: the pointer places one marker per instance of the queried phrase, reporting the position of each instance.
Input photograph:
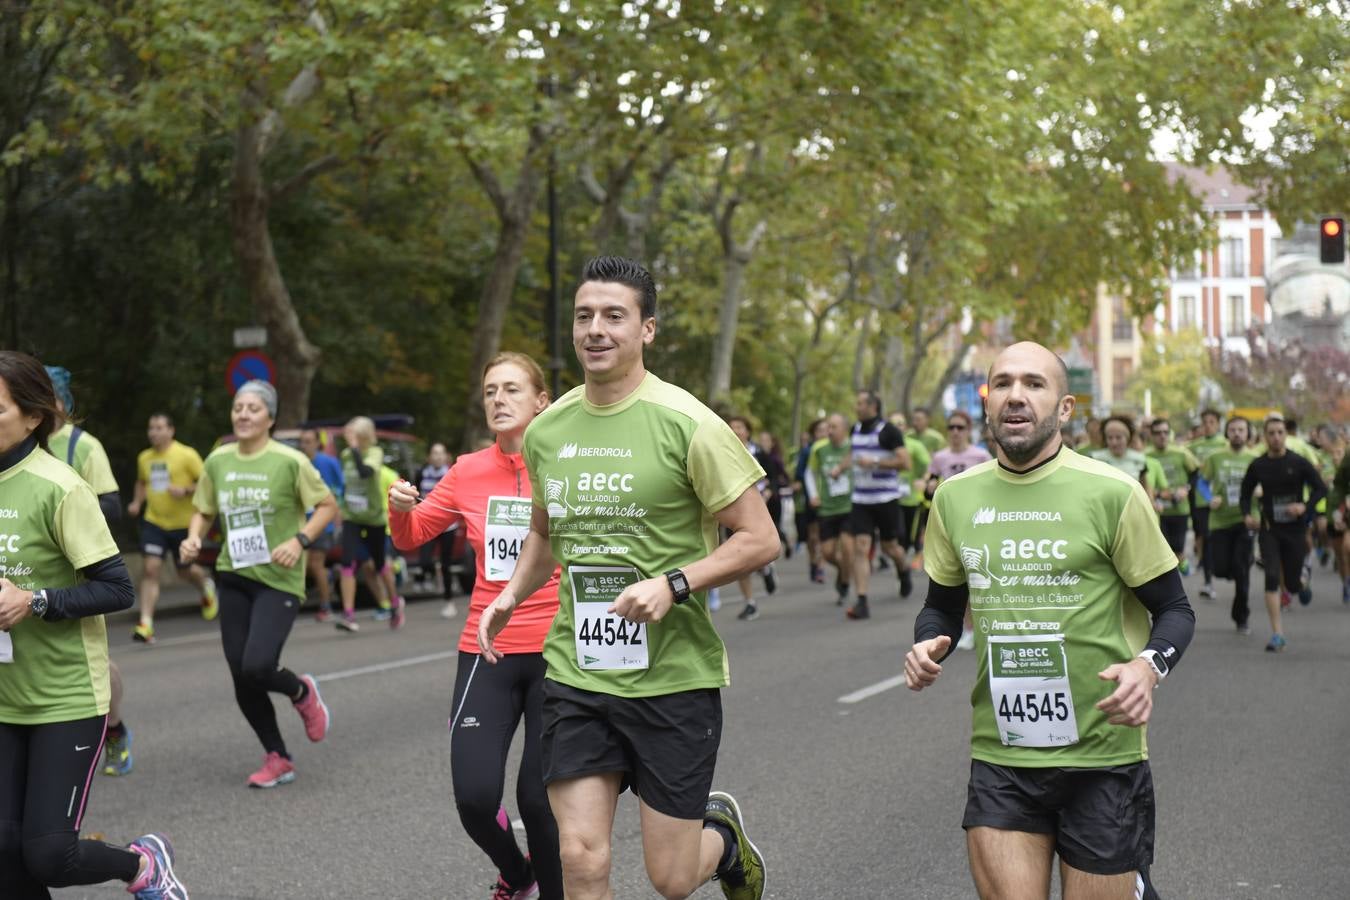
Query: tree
(1173, 369)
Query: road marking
(389, 666)
(873, 689)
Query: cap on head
(60, 377)
(264, 391)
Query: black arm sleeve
(1173, 619)
(943, 612)
(111, 504)
(107, 589)
(362, 469)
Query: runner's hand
(288, 553)
(921, 667)
(14, 604)
(645, 601)
(1131, 703)
(490, 624)
(1250, 522)
(402, 496)
(1215, 502)
(134, 508)
(1297, 509)
(189, 548)
(177, 490)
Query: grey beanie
(264, 390)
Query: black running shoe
(906, 582)
(749, 613)
(858, 611)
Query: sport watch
(679, 585)
(38, 605)
(304, 541)
(1157, 661)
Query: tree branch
(281, 190)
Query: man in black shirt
(1284, 524)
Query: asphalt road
(846, 799)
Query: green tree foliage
(1172, 370)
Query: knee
(51, 858)
(256, 673)
(477, 802)
(672, 886)
(585, 862)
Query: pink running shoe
(276, 769)
(313, 711)
(399, 613)
(504, 891)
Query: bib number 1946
(605, 640)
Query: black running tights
(255, 621)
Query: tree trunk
(296, 358)
(893, 370)
(860, 350)
(735, 260)
(949, 374)
(514, 213)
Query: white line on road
(873, 689)
(386, 667)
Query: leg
(15, 880)
(862, 564)
(1080, 885)
(896, 553)
(1270, 555)
(485, 711)
(584, 809)
(541, 831)
(680, 854)
(150, 587)
(445, 548)
(1240, 566)
(61, 765)
(314, 564)
(115, 704)
(237, 599)
(1010, 865)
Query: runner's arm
(1248, 488)
(944, 611)
(536, 563)
(809, 485)
(111, 505)
(107, 589)
(753, 544)
(431, 517)
(1173, 619)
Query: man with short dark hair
(1229, 544)
(632, 476)
(1062, 563)
(881, 464)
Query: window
(1232, 258)
(1122, 329)
(1237, 315)
(1185, 312)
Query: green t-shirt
(631, 490)
(1175, 465)
(51, 528)
(1205, 447)
(1049, 558)
(917, 473)
(89, 459)
(835, 493)
(362, 502)
(932, 440)
(1224, 470)
(261, 499)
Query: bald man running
(1062, 563)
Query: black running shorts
(161, 542)
(1102, 818)
(1231, 551)
(832, 526)
(361, 543)
(883, 518)
(666, 747)
(1174, 531)
(1283, 549)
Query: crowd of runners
(602, 524)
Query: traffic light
(1333, 240)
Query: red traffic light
(1333, 240)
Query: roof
(1215, 186)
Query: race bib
(1282, 512)
(357, 503)
(247, 539)
(6, 647)
(604, 639)
(838, 487)
(1029, 687)
(508, 522)
(1232, 494)
(159, 477)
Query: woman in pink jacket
(490, 490)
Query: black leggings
(489, 703)
(1231, 551)
(255, 621)
(440, 549)
(45, 775)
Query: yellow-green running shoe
(210, 602)
(744, 879)
(117, 754)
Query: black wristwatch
(679, 585)
(304, 541)
(38, 605)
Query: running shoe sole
(164, 857)
(323, 707)
(279, 780)
(344, 625)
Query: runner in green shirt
(829, 490)
(1209, 442)
(631, 477)
(60, 572)
(920, 419)
(1230, 540)
(364, 523)
(1172, 491)
(1062, 562)
(260, 489)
